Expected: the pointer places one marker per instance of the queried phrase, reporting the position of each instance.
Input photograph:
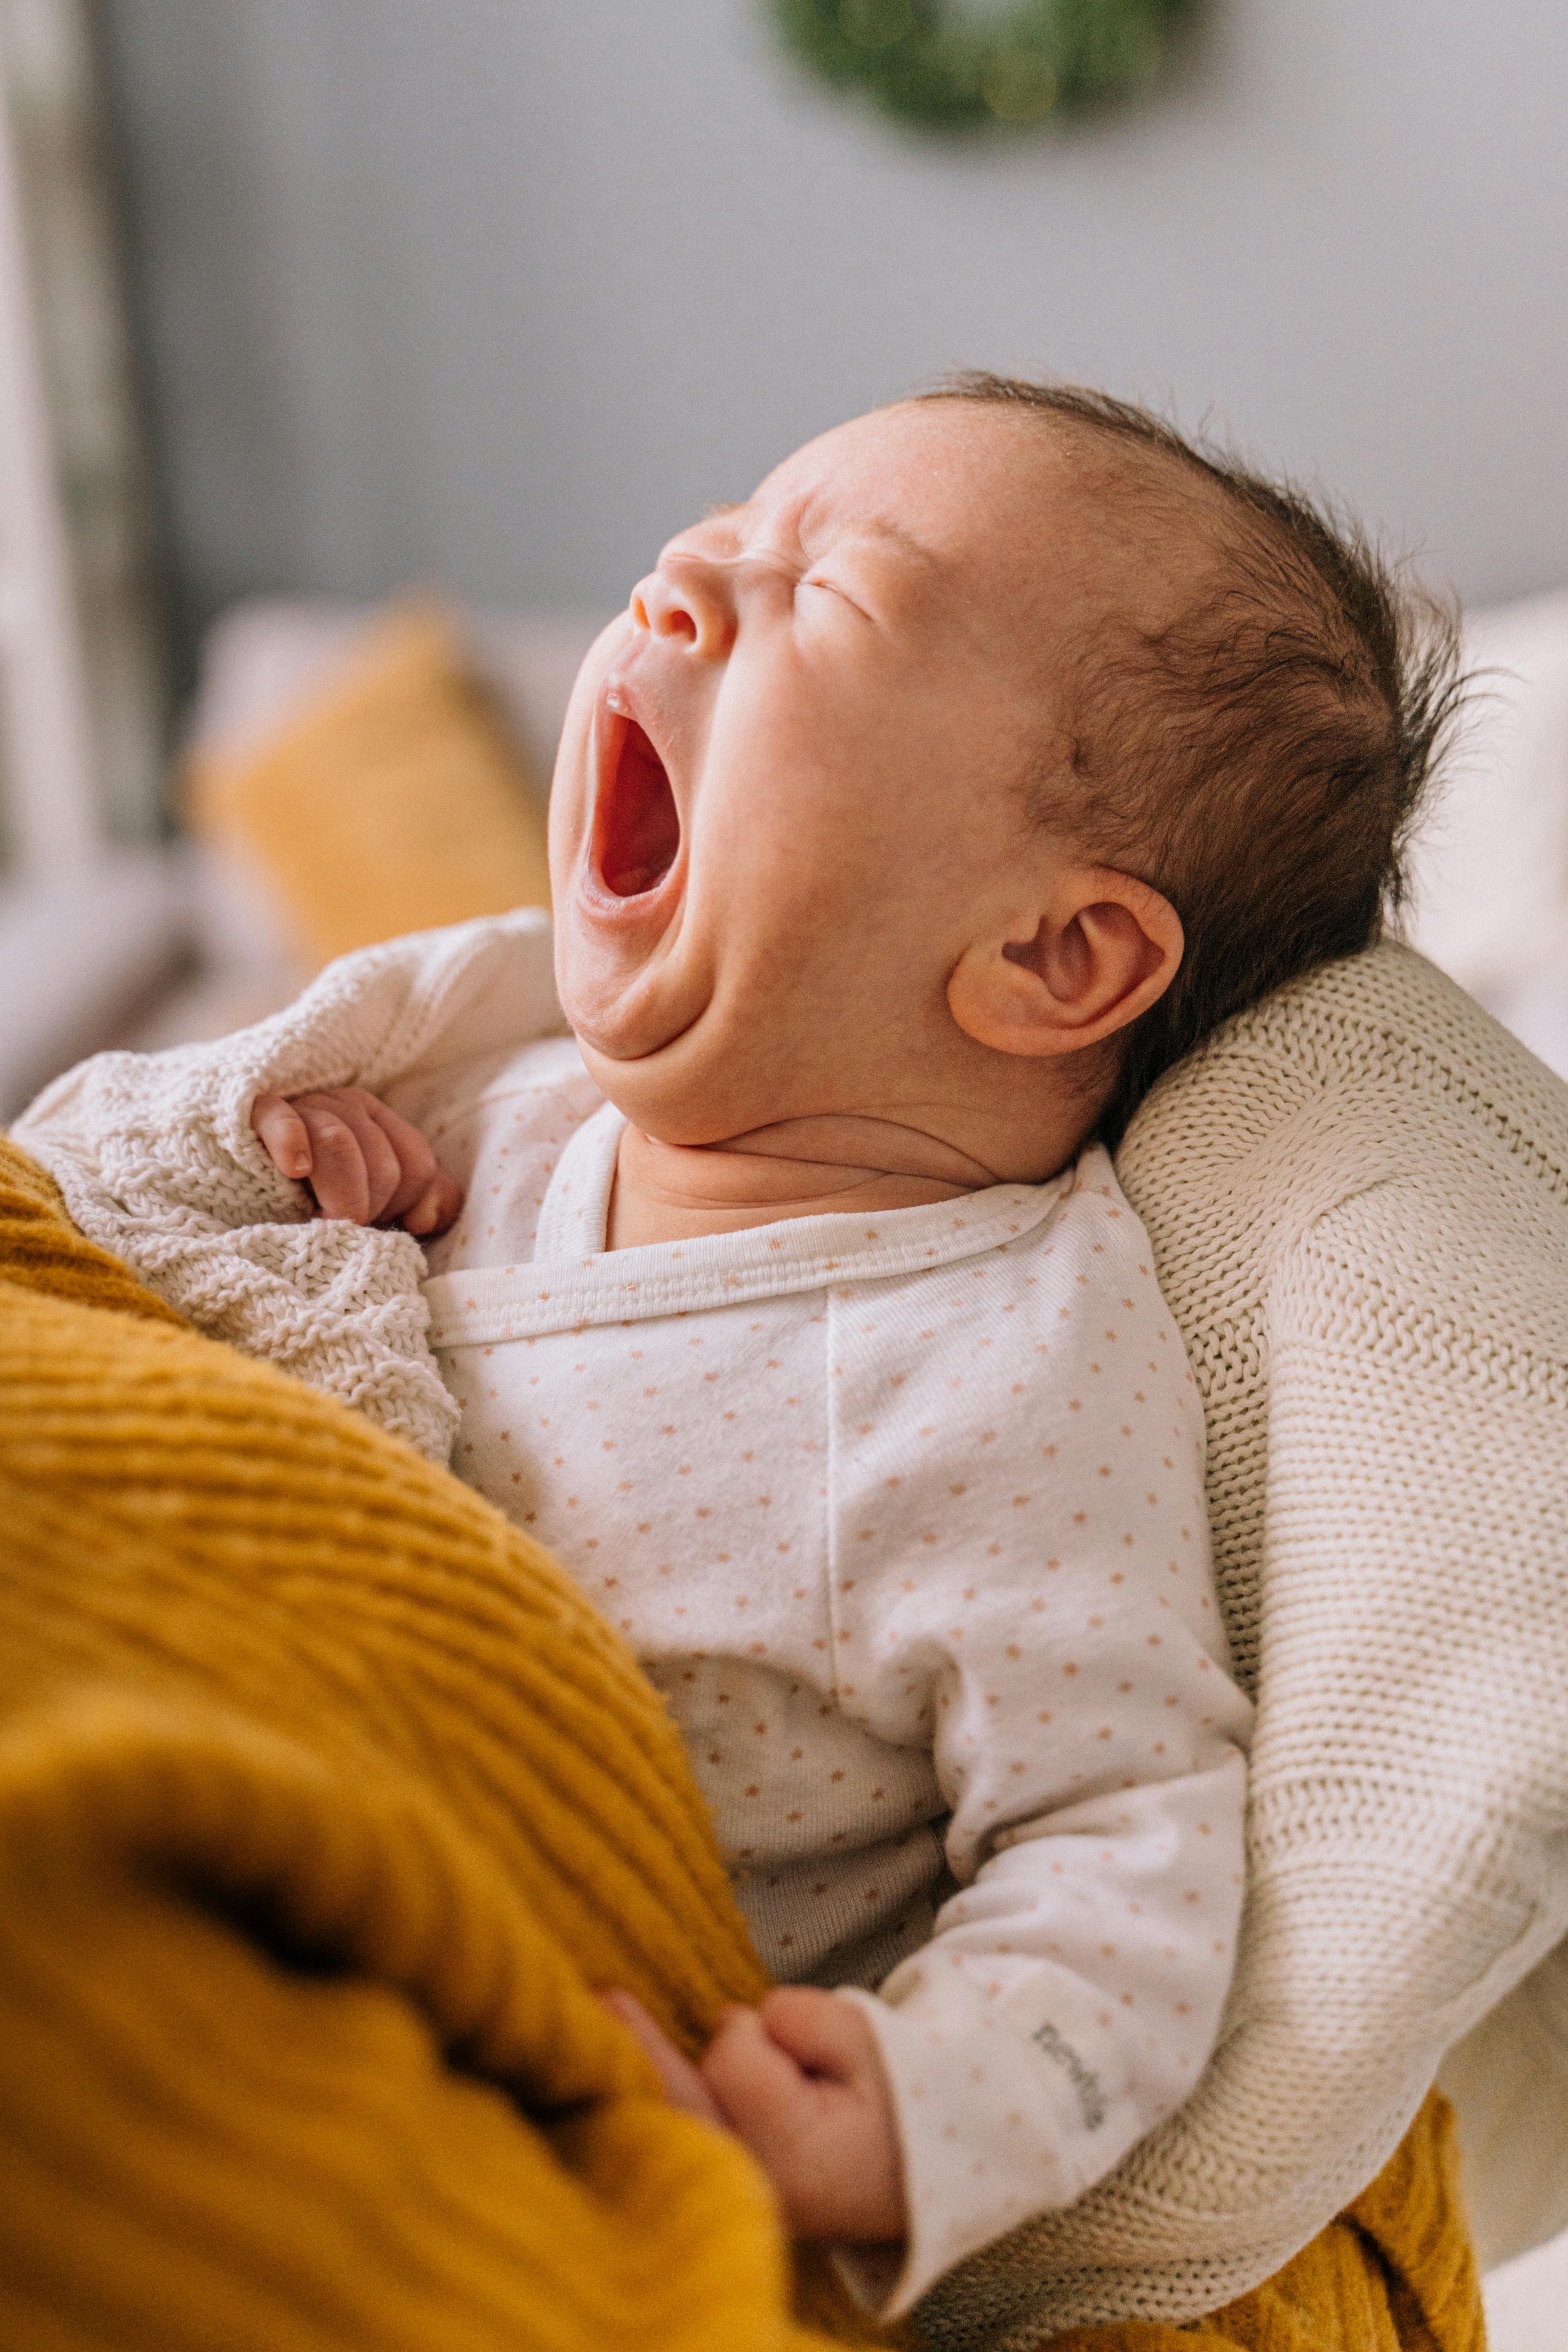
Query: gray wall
(500, 292)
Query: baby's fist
(362, 1161)
(800, 2080)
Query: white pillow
(1491, 867)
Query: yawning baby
(912, 818)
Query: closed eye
(833, 589)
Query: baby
(916, 813)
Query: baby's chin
(621, 1004)
(681, 1093)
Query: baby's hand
(360, 1160)
(800, 2081)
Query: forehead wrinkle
(819, 508)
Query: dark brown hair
(1259, 760)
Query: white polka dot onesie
(904, 1516)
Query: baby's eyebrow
(880, 526)
(813, 508)
(875, 525)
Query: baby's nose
(685, 602)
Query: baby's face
(788, 787)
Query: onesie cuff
(981, 2152)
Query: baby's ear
(1066, 974)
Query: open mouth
(636, 827)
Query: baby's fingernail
(424, 1213)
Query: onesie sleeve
(1090, 1742)
(156, 1159)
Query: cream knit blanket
(1358, 1199)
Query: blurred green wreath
(962, 64)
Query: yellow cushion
(394, 801)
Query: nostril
(665, 610)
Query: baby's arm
(1094, 1757)
(1072, 1992)
(1060, 1632)
(1066, 2005)
(1006, 2066)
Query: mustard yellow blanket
(325, 1804)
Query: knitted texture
(1394, 2271)
(325, 1802)
(1357, 1196)
(156, 1158)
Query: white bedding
(1491, 862)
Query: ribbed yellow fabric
(325, 1802)
(40, 1248)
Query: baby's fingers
(425, 1200)
(828, 2038)
(436, 1208)
(353, 1169)
(283, 1134)
(760, 2087)
(682, 2085)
